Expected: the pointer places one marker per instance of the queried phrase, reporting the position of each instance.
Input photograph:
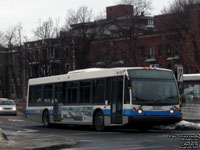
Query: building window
(29, 72)
(169, 66)
(159, 50)
(52, 53)
(142, 49)
(150, 22)
(44, 54)
(67, 68)
(55, 69)
(36, 55)
(176, 50)
(169, 52)
(12, 89)
(152, 53)
(67, 52)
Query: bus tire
(46, 119)
(99, 121)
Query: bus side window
(35, 95)
(72, 92)
(85, 88)
(58, 92)
(48, 94)
(98, 91)
(126, 92)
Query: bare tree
(180, 20)
(47, 29)
(15, 57)
(78, 25)
(140, 6)
(130, 28)
(45, 33)
(82, 15)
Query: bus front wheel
(46, 119)
(99, 121)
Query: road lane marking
(16, 120)
(27, 131)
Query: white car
(7, 107)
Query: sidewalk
(32, 141)
(36, 143)
(10, 140)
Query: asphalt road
(112, 139)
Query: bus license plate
(157, 107)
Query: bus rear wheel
(99, 121)
(46, 119)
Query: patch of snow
(187, 125)
(182, 125)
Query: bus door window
(117, 90)
(58, 93)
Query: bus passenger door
(116, 100)
(57, 105)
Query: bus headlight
(171, 110)
(140, 111)
(1, 108)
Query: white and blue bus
(141, 97)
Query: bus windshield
(150, 88)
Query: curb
(53, 147)
(37, 143)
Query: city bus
(135, 96)
(190, 92)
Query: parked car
(8, 107)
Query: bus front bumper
(153, 120)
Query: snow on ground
(188, 125)
(182, 125)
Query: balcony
(150, 60)
(173, 58)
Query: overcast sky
(28, 12)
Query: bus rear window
(152, 74)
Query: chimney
(118, 11)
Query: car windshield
(7, 103)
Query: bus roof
(90, 73)
(191, 77)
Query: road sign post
(179, 73)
